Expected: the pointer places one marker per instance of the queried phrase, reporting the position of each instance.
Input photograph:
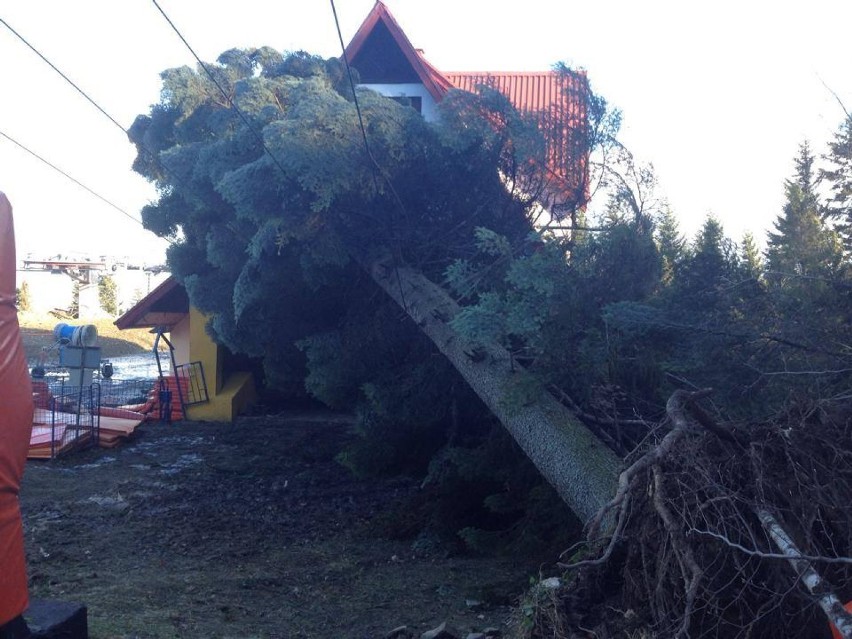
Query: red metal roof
(528, 91)
(559, 102)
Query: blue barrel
(86, 335)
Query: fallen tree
(267, 228)
(576, 463)
(267, 211)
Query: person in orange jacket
(16, 418)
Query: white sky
(717, 95)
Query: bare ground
(244, 530)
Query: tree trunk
(575, 462)
(803, 568)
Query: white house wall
(429, 108)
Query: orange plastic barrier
(16, 418)
(152, 407)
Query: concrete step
(51, 619)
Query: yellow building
(167, 308)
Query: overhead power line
(374, 166)
(222, 91)
(70, 177)
(95, 104)
(65, 77)
(92, 102)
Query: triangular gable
(384, 55)
(381, 47)
(165, 306)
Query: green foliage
(501, 505)
(403, 419)
(23, 298)
(267, 233)
(802, 245)
(838, 174)
(490, 243)
(108, 295)
(750, 258)
(671, 245)
(74, 310)
(328, 380)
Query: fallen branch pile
(721, 530)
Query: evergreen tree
(108, 294)
(839, 178)
(22, 297)
(802, 246)
(711, 263)
(750, 258)
(671, 245)
(273, 239)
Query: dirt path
(245, 530)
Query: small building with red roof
(167, 309)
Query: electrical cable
(94, 103)
(222, 91)
(73, 179)
(65, 77)
(374, 166)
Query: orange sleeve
(16, 416)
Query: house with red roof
(388, 63)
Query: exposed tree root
(722, 531)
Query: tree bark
(582, 469)
(816, 585)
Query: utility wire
(103, 111)
(222, 91)
(65, 77)
(374, 166)
(73, 179)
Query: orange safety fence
(62, 423)
(66, 422)
(152, 409)
(15, 423)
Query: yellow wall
(237, 393)
(205, 350)
(227, 396)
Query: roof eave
(135, 316)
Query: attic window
(414, 102)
